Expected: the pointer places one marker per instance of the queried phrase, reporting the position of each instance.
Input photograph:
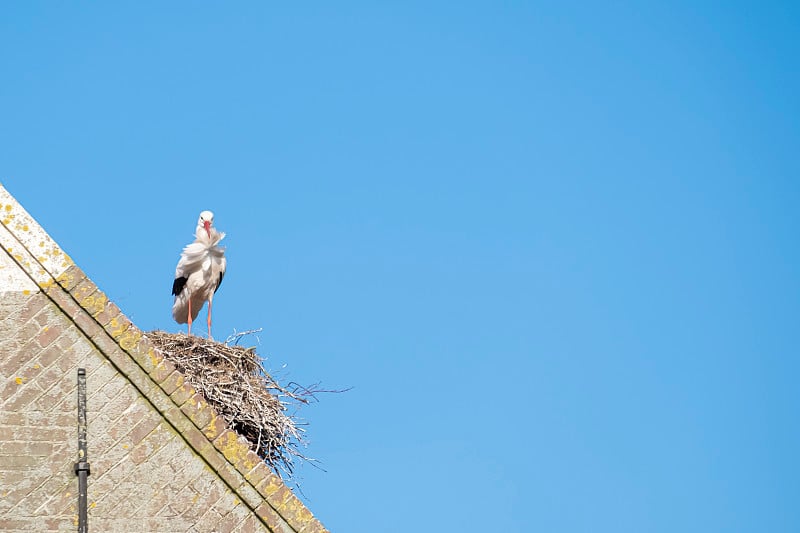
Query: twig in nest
(236, 337)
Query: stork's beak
(207, 226)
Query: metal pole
(82, 466)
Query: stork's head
(205, 221)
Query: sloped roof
(125, 345)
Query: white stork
(199, 273)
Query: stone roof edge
(127, 347)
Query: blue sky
(551, 246)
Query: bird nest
(234, 382)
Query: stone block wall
(144, 476)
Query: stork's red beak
(207, 225)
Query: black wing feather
(221, 275)
(177, 285)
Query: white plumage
(199, 273)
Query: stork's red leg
(190, 316)
(209, 318)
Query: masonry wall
(144, 476)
